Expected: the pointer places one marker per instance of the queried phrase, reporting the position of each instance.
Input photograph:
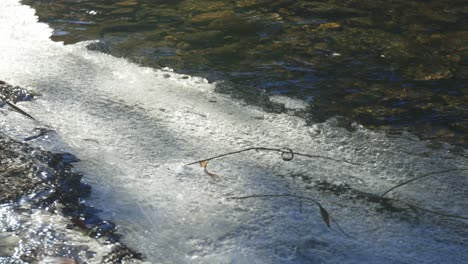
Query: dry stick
(289, 151)
(419, 177)
(432, 211)
(42, 132)
(422, 208)
(17, 109)
(323, 212)
(282, 151)
(214, 176)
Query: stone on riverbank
(42, 214)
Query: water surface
(136, 128)
(398, 65)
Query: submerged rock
(8, 242)
(19, 172)
(13, 93)
(42, 212)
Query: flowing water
(398, 65)
(135, 129)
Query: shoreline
(135, 129)
(36, 183)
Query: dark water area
(391, 65)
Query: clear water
(395, 65)
(136, 128)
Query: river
(395, 66)
(136, 128)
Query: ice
(136, 128)
(289, 103)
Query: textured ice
(289, 103)
(135, 128)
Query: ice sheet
(135, 128)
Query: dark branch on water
(286, 154)
(445, 214)
(17, 109)
(42, 132)
(324, 213)
(420, 177)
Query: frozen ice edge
(135, 128)
(289, 103)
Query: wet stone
(8, 242)
(18, 171)
(207, 17)
(34, 181)
(13, 93)
(359, 21)
(331, 25)
(127, 3)
(38, 182)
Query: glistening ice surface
(135, 128)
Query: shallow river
(136, 128)
(398, 65)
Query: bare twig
(286, 155)
(419, 177)
(214, 176)
(17, 109)
(273, 195)
(433, 212)
(42, 131)
(325, 215)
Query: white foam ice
(135, 128)
(290, 103)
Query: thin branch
(286, 155)
(273, 195)
(325, 215)
(419, 177)
(214, 176)
(385, 200)
(433, 212)
(42, 132)
(17, 109)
